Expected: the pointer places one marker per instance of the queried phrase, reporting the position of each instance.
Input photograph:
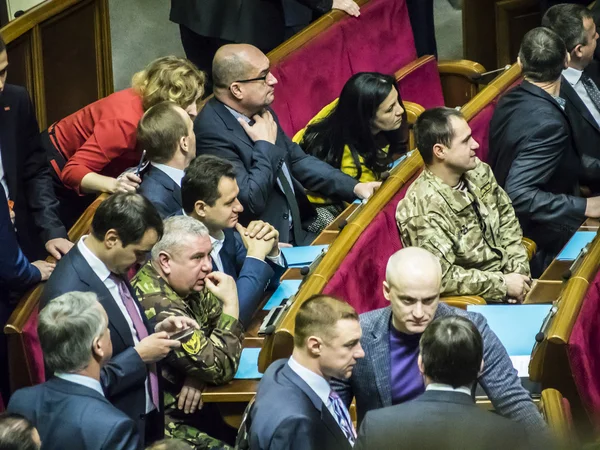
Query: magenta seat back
(584, 351)
(34, 358)
(421, 84)
(359, 278)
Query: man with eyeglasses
(272, 171)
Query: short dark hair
(433, 127)
(131, 215)
(566, 20)
(452, 351)
(201, 180)
(159, 132)
(543, 55)
(16, 433)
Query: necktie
(342, 417)
(592, 90)
(299, 233)
(141, 332)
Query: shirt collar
(572, 75)
(217, 243)
(81, 380)
(173, 173)
(95, 263)
(448, 388)
(236, 114)
(316, 382)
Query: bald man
(272, 172)
(389, 373)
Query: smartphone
(139, 167)
(183, 335)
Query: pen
(137, 171)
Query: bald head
(413, 266)
(234, 62)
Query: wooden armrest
(459, 81)
(463, 67)
(530, 246)
(463, 301)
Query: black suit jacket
(439, 420)
(300, 421)
(69, 415)
(123, 378)
(535, 160)
(162, 191)
(257, 163)
(27, 173)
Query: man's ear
(97, 350)
(568, 59)
(520, 63)
(236, 91)
(200, 208)
(164, 261)
(184, 144)
(481, 367)
(420, 364)
(314, 345)
(386, 290)
(439, 151)
(111, 238)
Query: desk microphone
(478, 76)
(566, 275)
(342, 224)
(539, 338)
(304, 271)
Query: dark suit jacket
(256, 164)
(69, 415)
(300, 420)
(27, 173)
(257, 22)
(162, 191)
(371, 383)
(123, 378)
(439, 420)
(535, 160)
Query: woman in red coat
(89, 149)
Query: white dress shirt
(573, 76)
(81, 380)
(174, 174)
(3, 177)
(102, 272)
(448, 388)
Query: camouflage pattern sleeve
(432, 233)
(511, 234)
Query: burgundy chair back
(584, 351)
(313, 75)
(34, 354)
(359, 278)
(420, 83)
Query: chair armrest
(530, 246)
(463, 301)
(458, 79)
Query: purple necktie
(141, 331)
(342, 417)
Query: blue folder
(579, 240)
(248, 368)
(286, 289)
(302, 256)
(515, 325)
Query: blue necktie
(342, 417)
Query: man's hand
(366, 190)
(264, 128)
(517, 286)
(126, 182)
(348, 6)
(174, 324)
(58, 247)
(190, 397)
(155, 347)
(260, 239)
(45, 268)
(223, 287)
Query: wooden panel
(514, 18)
(479, 32)
(20, 71)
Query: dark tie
(592, 90)
(342, 417)
(141, 331)
(299, 233)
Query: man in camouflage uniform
(456, 210)
(178, 281)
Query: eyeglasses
(250, 80)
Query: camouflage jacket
(212, 354)
(475, 232)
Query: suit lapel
(576, 102)
(333, 426)
(377, 345)
(231, 122)
(165, 180)
(8, 151)
(228, 254)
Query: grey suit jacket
(371, 385)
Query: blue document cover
(286, 289)
(248, 368)
(579, 240)
(515, 325)
(302, 256)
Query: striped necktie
(342, 417)
(592, 90)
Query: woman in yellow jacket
(360, 133)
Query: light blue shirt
(81, 380)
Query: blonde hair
(169, 78)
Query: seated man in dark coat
(166, 132)
(532, 152)
(272, 172)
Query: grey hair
(67, 327)
(177, 231)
